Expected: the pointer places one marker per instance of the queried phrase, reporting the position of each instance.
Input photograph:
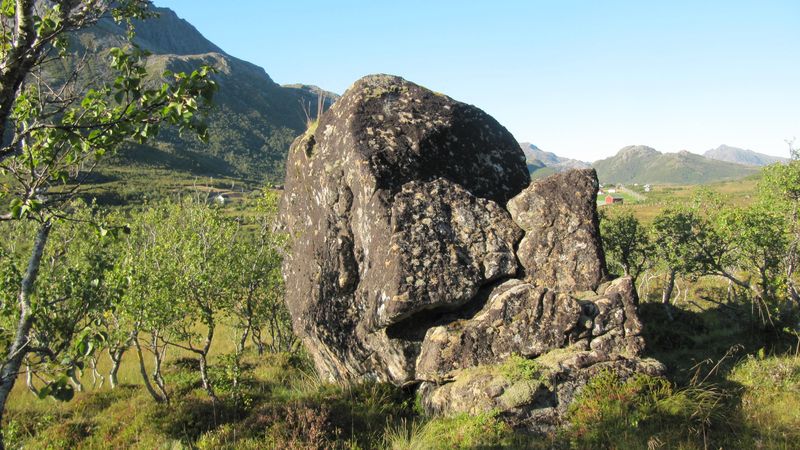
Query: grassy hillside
(738, 192)
(252, 124)
(538, 158)
(731, 382)
(640, 164)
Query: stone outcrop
(559, 215)
(521, 319)
(535, 395)
(420, 255)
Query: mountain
(254, 119)
(642, 164)
(742, 156)
(544, 163)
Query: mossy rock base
(529, 393)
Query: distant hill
(542, 163)
(642, 164)
(254, 119)
(742, 156)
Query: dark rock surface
(419, 257)
(568, 338)
(395, 203)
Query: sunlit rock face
(561, 248)
(418, 250)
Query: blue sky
(581, 78)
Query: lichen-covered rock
(418, 257)
(561, 248)
(535, 396)
(518, 318)
(521, 319)
(394, 203)
(445, 244)
(567, 337)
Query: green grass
(731, 383)
(130, 186)
(281, 403)
(462, 431)
(277, 405)
(640, 412)
(627, 199)
(770, 401)
(740, 192)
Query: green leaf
(44, 392)
(16, 212)
(62, 391)
(8, 8)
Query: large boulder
(420, 255)
(534, 394)
(395, 202)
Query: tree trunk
(96, 375)
(29, 381)
(245, 335)
(666, 295)
(158, 359)
(256, 338)
(204, 377)
(791, 266)
(793, 294)
(143, 372)
(75, 380)
(792, 257)
(116, 360)
(18, 61)
(207, 385)
(19, 346)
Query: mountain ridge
(542, 163)
(742, 156)
(643, 164)
(253, 120)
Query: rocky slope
(254, 119)
(642, 164)
(420, 256)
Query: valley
(198, 256)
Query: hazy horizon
(575, 78)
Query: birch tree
(54, 132)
